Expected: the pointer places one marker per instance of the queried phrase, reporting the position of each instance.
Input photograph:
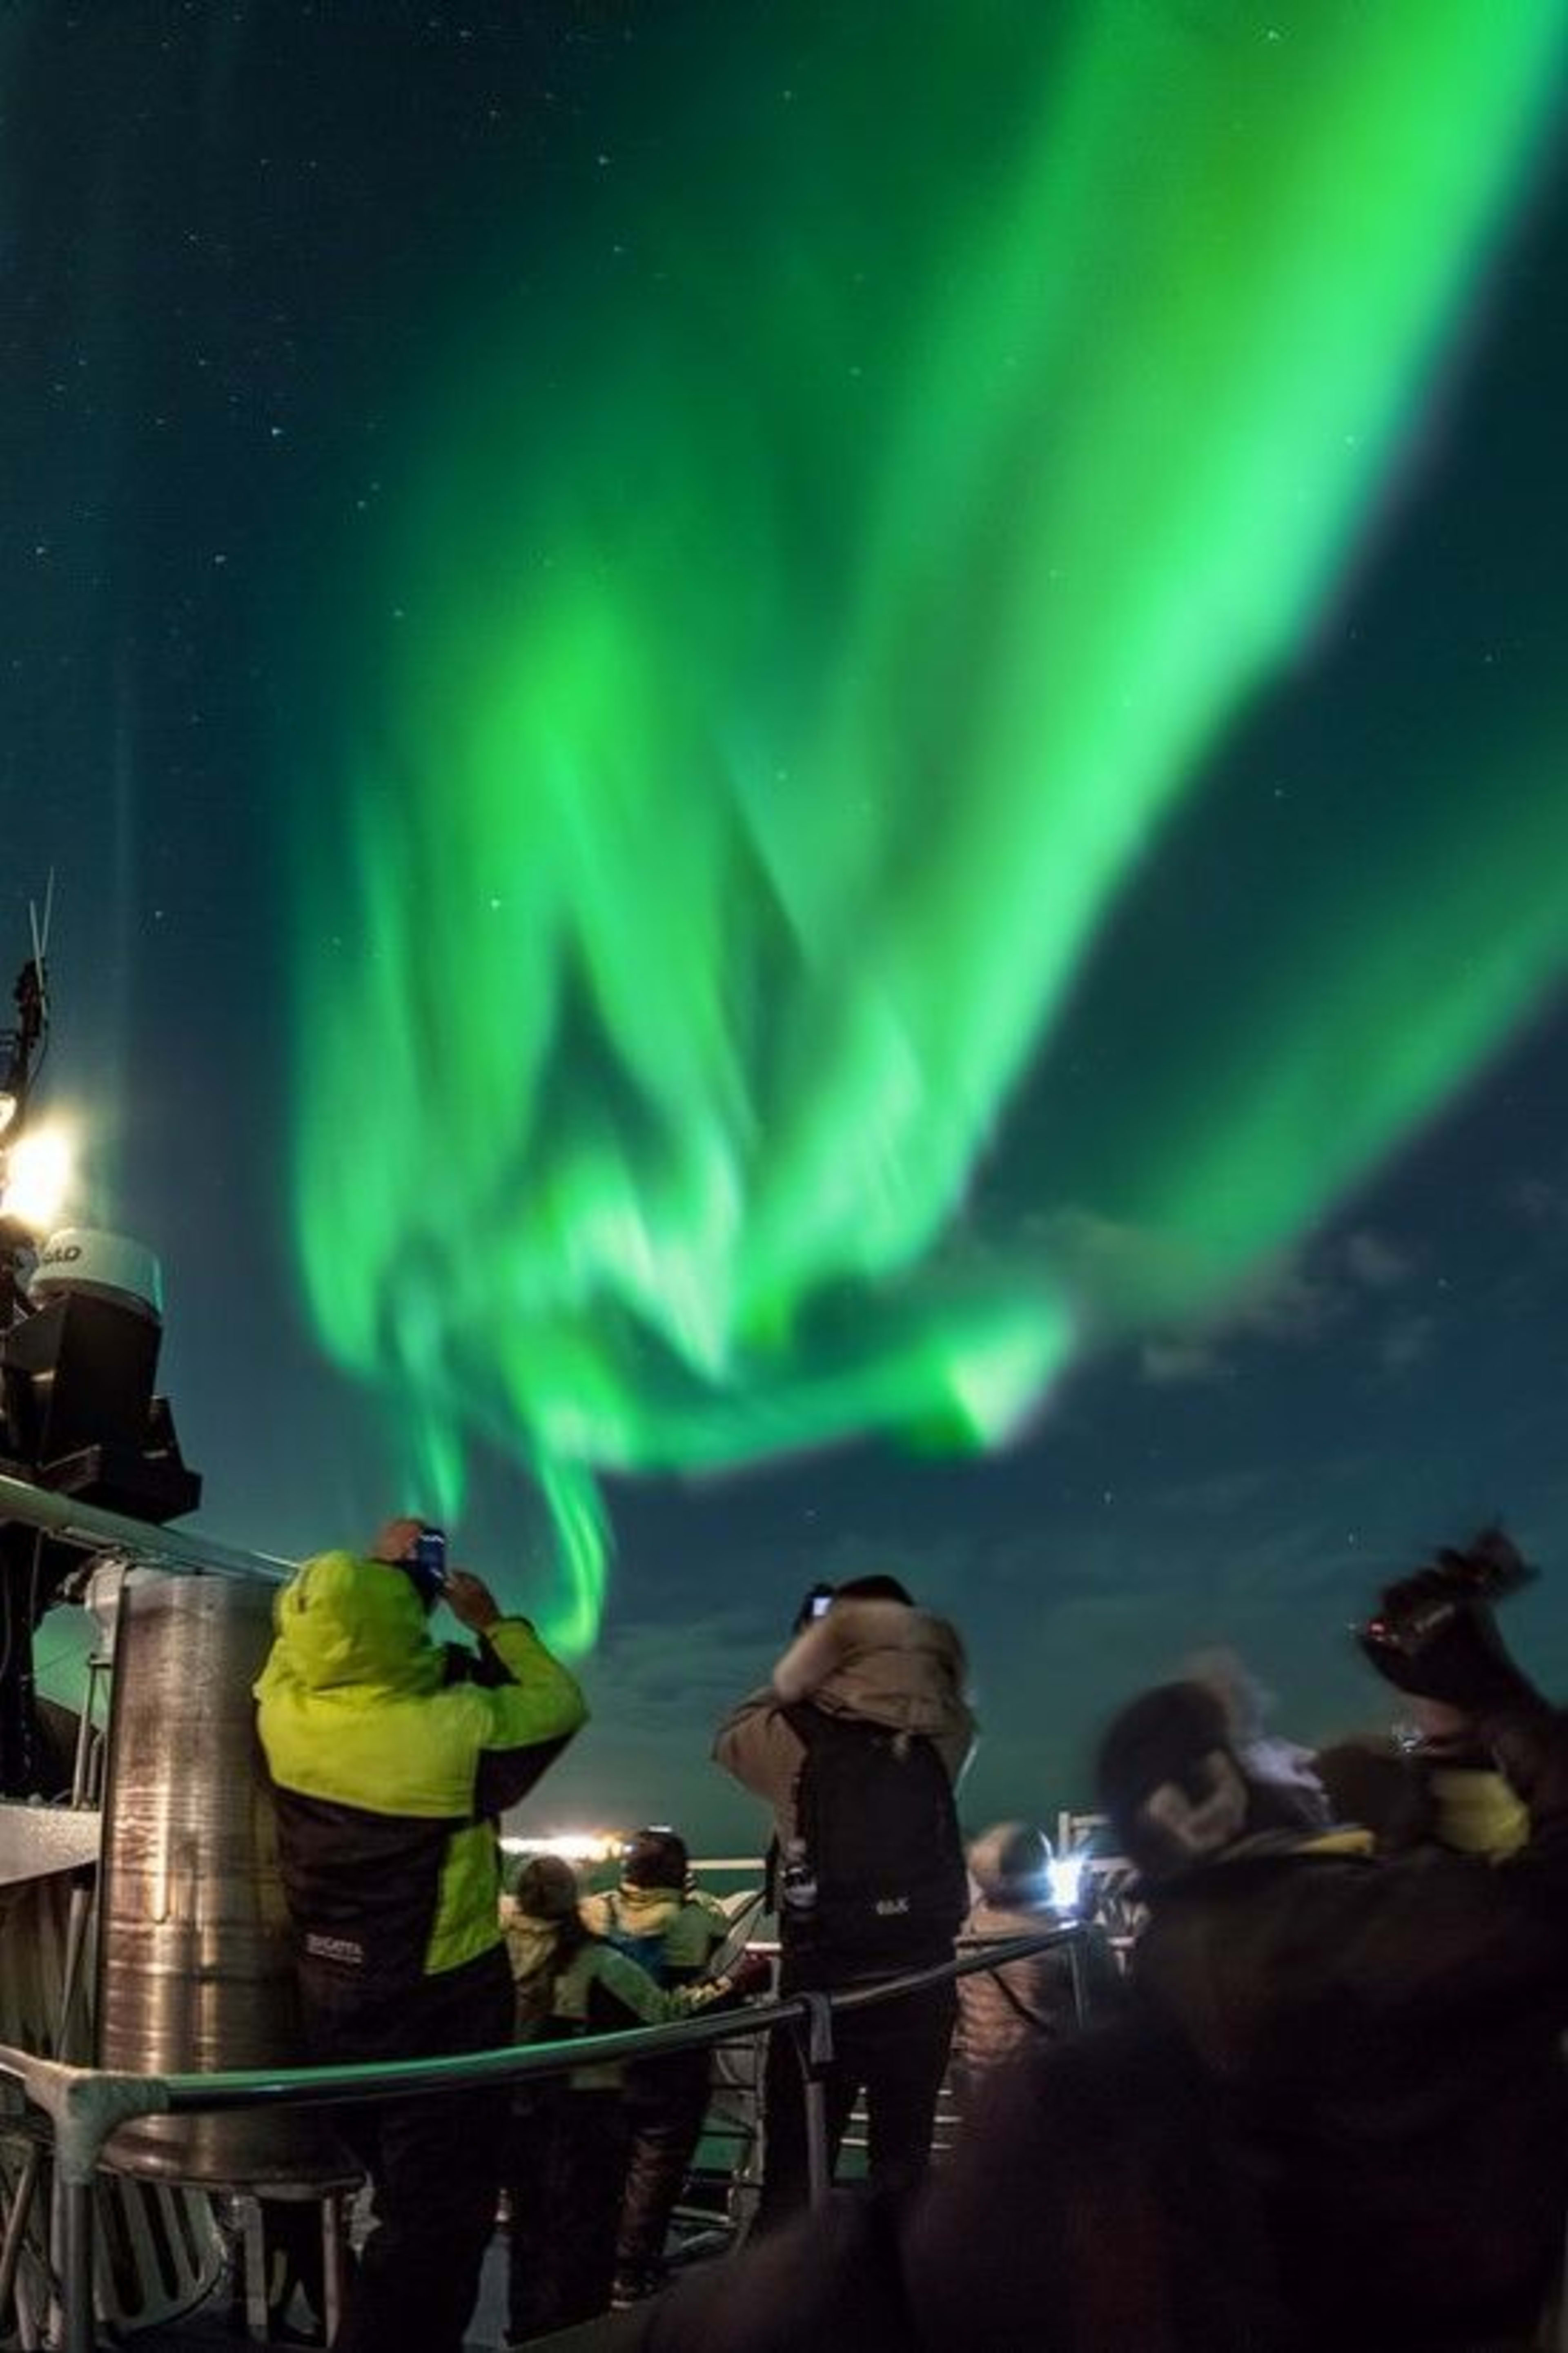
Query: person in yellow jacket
(389, 1756)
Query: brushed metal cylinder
(195, 1967)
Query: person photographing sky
(390, 1756)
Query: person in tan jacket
(857, 1746)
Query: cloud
(1173, 1363)
(1219, 1495)
(1537, 1202)
(1374, 1262)
(1295, 1303)
(1289, 1307)
(1064, 1619)
(652, 1680)
(1407, 1341)
(1295, 1307)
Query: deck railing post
(816, 2048)
(76, 2266)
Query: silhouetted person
(674, 1929)
(390, 1756)
(1385, 2032)
(1005, 2011)
(570, 2134)
(1331, 2120)
(856, 1744)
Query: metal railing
(93, 1530)
(85, 2106)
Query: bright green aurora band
(798, 619)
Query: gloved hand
(751, 1973)
(1446, 1736)
(1429, 1638)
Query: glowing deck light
(38, 1172)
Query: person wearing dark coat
(1331, 2120)
(1385, 2033)
(1090, 2211)
(389, 1756)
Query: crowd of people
(1324, 2106)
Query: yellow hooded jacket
(389, 1756)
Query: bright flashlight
(1066, 1876)
(38, 1172)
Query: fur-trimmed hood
(885, 1662)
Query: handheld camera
(428, 1562)
(818, 1600)
(1487, 1570)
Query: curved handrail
(86, 2105)
(224, 2091)
(87, 1526)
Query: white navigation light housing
(80, 1261)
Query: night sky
(806, 769)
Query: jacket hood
(648, 1906)
(517, 1921)
(344, 1621)
(883, 1660)
(530, 1944)
(632, 1911)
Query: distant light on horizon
(570, 1846)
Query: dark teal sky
(240, 248)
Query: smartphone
(821, 1604)
(430, 1556)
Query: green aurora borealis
(795, 618)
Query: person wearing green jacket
(390, 1756)
(571, 2133)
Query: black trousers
(895, 2053)
(566, 2164)
(434, 2162)
(665, 2104)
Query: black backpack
(879, 1882)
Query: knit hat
(1011, 1864)
(547, 1888)
(1168, 1778)
(656, 1857)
